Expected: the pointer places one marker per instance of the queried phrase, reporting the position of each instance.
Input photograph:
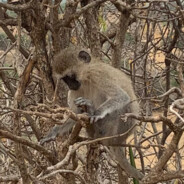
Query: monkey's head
(68, 60)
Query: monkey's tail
(119, 156)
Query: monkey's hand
(97, 116)
(84, 105)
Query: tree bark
(120, 38)
(92, 25)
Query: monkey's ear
(83, 55)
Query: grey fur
(105, 90)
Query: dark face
(71, 79)
(72, 82)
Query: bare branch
(12, 178)
(153, 119)
(63, 171)
(18, 139)
(178, 104)
(79, 13)
(21, 7)
(163, 159)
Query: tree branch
(66, 23)
(18, 139)
(21, 7)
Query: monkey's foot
(47, 139)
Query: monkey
(107, 93)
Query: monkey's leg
(115, 103)
(118, 155)
(82, 104)
(58, 130)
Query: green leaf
(132, 161)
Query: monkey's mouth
(72, 82)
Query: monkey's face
(68, 64)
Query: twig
(173, 111)
(21, 7)
(63, 23)
(63, 171)
(10, 178)
(7, 68)
(18, 139)
(13, 44)
(153, 119)
(157, 169)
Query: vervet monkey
(106, 91)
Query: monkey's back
(103, 78)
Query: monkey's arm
(113, 103)
(58, 130)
